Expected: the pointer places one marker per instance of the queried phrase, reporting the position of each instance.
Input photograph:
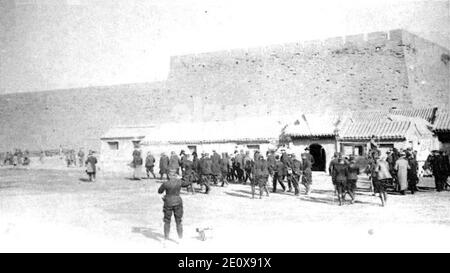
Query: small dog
(202, 233)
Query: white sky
(52, 44)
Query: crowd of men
(397, 169)
(15, 158)
(73, 158)
(240, 167)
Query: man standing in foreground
(172, 203)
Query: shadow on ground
(84, 180)
(150, 233)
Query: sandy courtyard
(57, 210)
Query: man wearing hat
(215, 167)
(164, 166)
(278, 174)
(149, 165)
(91, 169)
(339, 174)
(287, 165)
(188, 172)
(413, 179)
(307, 173)
(436, 164)
(239, 163)
(401, 167)
(205, 171)
(333, 162)
(260, 175)
(173, 204)
(174, 163)
(308, 156)
(296, 173)
(352, 178)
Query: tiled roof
(442, 122)
(249, 129)
(313, 125)
(361, 130)
(368, 116)
(427, 114)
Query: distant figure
(297, 172)
(188, 172)
(91, 169)
(136, 164)
(308, 156)
(174, 163)
(278, 174)
(224, 168)
(149, 165)
(402, 166)
(80, 157)
(26, 159)
(215, 167)
(205, 171)
(383, 178)
(173, 204)
(307, 173)
(61, 152)
(42, 157)
(164, 166)
(260, 176)
(339, 174)
(352, 178)
(413, 179)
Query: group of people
(240, 167)
(397, 169)
(75, 159)
(15, 158)
(439, 164)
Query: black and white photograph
(224, 126)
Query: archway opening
(319, 155)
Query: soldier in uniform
(173, 204)
(333, 162)
(339, 174)
(224, 168)
(308, 156)
(296, 173)
(352, 178)
(239, 164)
(287, 166)
(271, 161)
(91, 169)
(383, 177)
(81, 157)
(196, 168)
(182, 159)
(248, 167)
(205, 171)
(278, 174)
(260, 175)
(174, 163)
(188, 172)
(413, 179)
(215, 167)
(149, 165)
(307, 173)
(446, 162)
(164, 166)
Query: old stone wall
(376, 71)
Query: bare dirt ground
(58, 210)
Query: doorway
(319, 155)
